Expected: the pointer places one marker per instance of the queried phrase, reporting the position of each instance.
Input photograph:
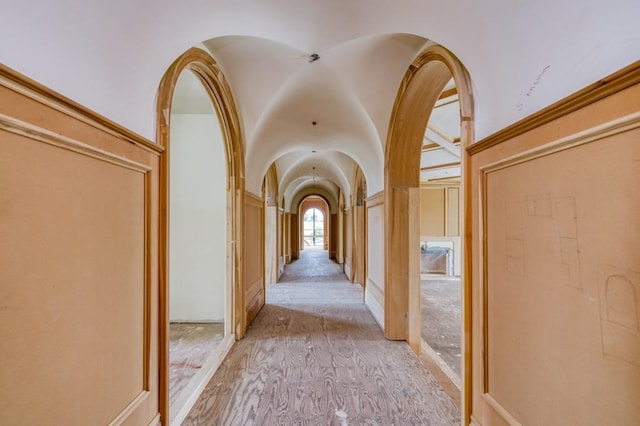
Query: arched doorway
(419, 91)
(313, 229)
(315, 221)
(200, 218)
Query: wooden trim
(611, 128)
(155, 421)
(375, 199)
(441, 104)
(440, 167)
(200, 380)
(148, 285)
(438, 131)
(129, 409)
(27, 130)
(500, 410)
(420, 88)
(444, 178)
(252, 199)
(448, 93)
(607, 86)
(484, 283)
(19, 83)
(431, 146)
(210, 75)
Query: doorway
(424, 86)
(440, 239)
(198, 226)
(313, 228)
(201, 189)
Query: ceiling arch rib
(256, 69)
(300, 167)
(313, 190)
(314, 95)
(375, 61)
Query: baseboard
(190, 394)
(377, 311)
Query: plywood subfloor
(441, 319)
(190, 345)
(314, 355)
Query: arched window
(313, 221)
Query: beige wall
(440, 220)
(78, 264)
(433, 212)
(253, 256)
(556, 287)
(197, 219)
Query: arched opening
(314, 213)
(200, 186)
(440, 241)
(422, 86)
(313, 228)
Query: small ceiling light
(313, 151)
(314, 57)
(314, 123)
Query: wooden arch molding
(215, 84)
(422, 84)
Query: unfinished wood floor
(315, 356)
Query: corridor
(314, 355)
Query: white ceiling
(521, 56)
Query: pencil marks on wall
(557, 217)
(515, 240)
(620, 314)
(567, 223)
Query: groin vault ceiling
(334, 63)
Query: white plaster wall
(198, 219)
(374, 295)
(99, 52)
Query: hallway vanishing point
(315, 356)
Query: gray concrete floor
(190, 345)
(314, 265)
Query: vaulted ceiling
(317, 119)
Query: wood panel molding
(252, 199)
(129, 409)
(375, 199)
(19, 83)
(607, 86)
(27, 131)
(597, 133)
(18, 127)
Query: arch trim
(215, 84)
